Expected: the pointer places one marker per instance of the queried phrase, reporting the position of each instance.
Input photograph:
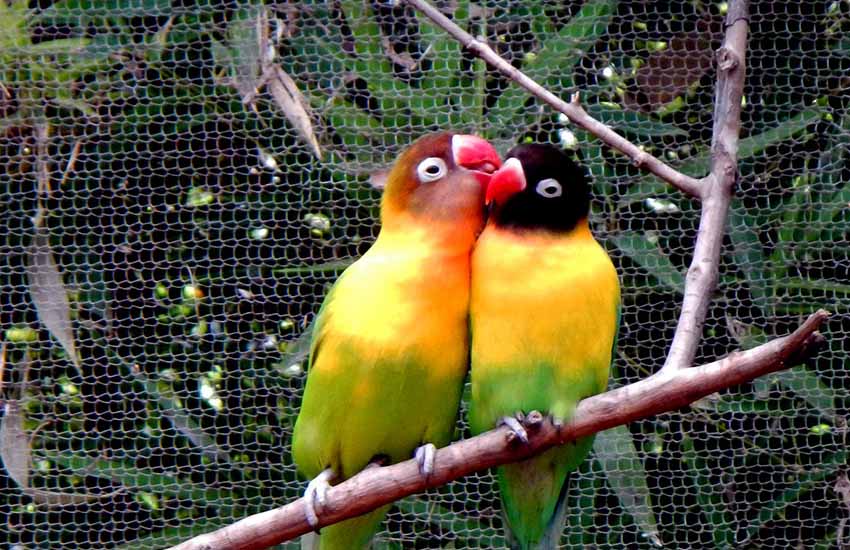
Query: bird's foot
(533, 420)
(557, 423)
(378, 461)
(424, 456)
(316, 496)
(514, 423)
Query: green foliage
(189, 218)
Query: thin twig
(375, 487)
(718, 189)
(573, 110)
(72, 161)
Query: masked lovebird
(390, 347)
(544, 312)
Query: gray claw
(316, 496)
(534, 419)
(557, 423)
(517, 431)
(424, 455)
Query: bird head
(539, 186)
(441, 177)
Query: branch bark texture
(572, 109)
(717, 189)
(375, 487)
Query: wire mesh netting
(182, 182)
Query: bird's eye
(549, 188)
(431, 169)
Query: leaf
(291, 102)
(804, 483)
(15, 445)
(248, 57)
(698, 165)
(84, 12)
(332, 266)
(76, 105)
(632, 122)
(372, 63)
(49, 295)
(810, 388)
(244, 57)
(555, 60)
(710, 496)
(738, 404)
(650, 257)
(624, 469)
(141, 479)
(179, 418)
(13, 32)
(63, 46)
(835, 196)
(807, 385)
(755, 145)
(445, 56)
(821, 285)
(748, 255)
(298, 351)
(16, 453)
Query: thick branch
(572, 110)
(718, 188)
(374, 487)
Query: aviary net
(183, 180)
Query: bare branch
(718, 188)
(374, 487)
(572, 110)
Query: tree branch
(718, 189)
(661, 392)
(572, 110)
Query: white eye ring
(431, 169)
(549, 188)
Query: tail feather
(534, 495)
(351, 534)
(554, 529)
(310, 541)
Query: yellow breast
(544, 296)
(415, 291)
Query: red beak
(476, 154)
(508, 181)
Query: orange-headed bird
(390, 347)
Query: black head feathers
(556, 194)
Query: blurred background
(181, 181)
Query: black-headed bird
(544, 315)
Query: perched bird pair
(531, 305)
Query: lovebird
(544, 315)
(390, 347)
